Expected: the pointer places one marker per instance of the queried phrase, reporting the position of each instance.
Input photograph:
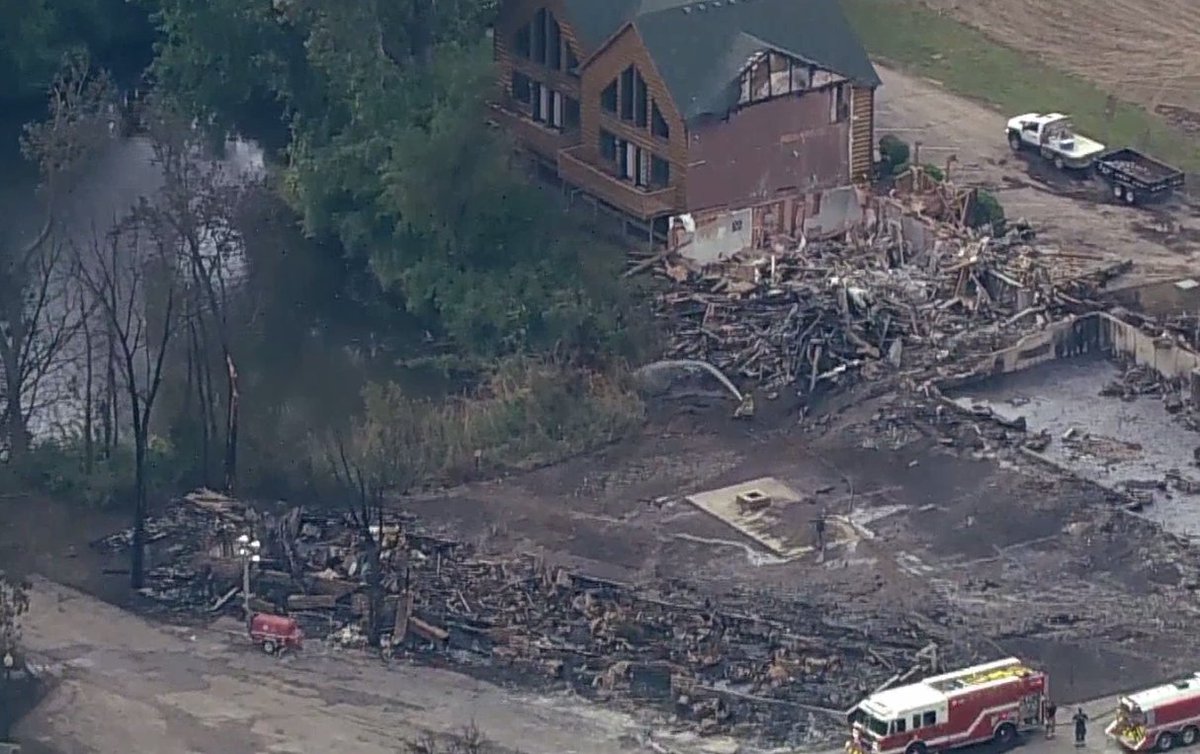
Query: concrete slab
(1115, 443)
(759, 524)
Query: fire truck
(1160, 718)
(991, 702)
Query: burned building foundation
(1143, 446)
(783, 670)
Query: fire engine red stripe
(965, 736)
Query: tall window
(839, 104)
(608, 146)
(522, 88)
(628, 97)
(634, 164)
(539, 35)
(570, 113)
(658, 124)
(660, 172)
(626, 86)
(553, 42)
(608, 97)
(523, 44)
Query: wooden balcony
(532, 135)
(623, 195)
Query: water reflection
(300, 353)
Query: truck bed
(1131, 166)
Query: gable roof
(700, 47)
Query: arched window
(541, 41)
(628, 98)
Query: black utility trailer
(1136, 178)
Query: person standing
(819, 530)
(1051, 711)
(1081, 720)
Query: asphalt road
(131, 686)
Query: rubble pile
(788, 670)
(835, 310)
(181, 542)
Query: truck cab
(907, 721)
(993, 701)
(1054, 137)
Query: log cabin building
(738, 113)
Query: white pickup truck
(1054, 137)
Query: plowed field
(1144, 51)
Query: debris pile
(835, 310)
(182, 543)
(788, 670)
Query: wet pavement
(1117, 443)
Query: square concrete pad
(759, 524)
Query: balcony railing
(540, 138)
(642, 204)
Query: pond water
(320, 358)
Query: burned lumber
(838, 311)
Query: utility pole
(248, 551)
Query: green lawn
(966, 62)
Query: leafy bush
(58, 469)
(893, 154)
(934, 172)
(987, 213)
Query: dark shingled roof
(701, 46)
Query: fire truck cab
(993, 701)
(1160, 718)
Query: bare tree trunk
(89, 448)
(200, 359)
(137, 555)
(202, 274)
(190, 382)
(231, 425)
(110, 396)
(18, 438)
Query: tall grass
(529, 413)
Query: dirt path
(1074, 215)
(128, 685)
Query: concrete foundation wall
(1089, 333)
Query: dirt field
(955, 540)
(1076, 216)
(1144, 51)
(1040, 565)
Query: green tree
(35, 34)
(29, 47)
(391, 157)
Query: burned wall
(1089, 333)
(784, 146)
(772, 226)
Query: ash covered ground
(598, 576)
